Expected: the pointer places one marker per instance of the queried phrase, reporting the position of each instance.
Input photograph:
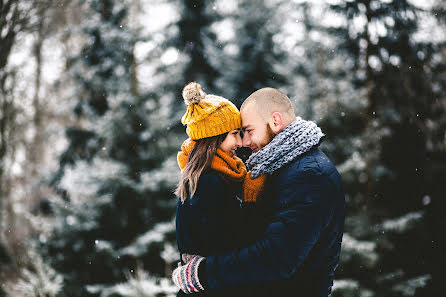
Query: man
(299, 249)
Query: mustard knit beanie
(208, 115)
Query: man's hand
(186, 277)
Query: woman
(209, 218)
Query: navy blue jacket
(212, 221)
(300, 247)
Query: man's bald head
(266, 101)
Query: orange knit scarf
(231, 167)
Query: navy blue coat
(300, 247)
(212, 221)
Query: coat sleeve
(207, 203)
(299, 217)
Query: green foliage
(392, 70)
(378, 95)
(108, 202)
(118, 172)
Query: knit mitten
(186, 277)
(252, 187)
(187, 258)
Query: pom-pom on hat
(208, 115)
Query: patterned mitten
(187, 257)
(186, 277)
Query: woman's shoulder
(211, 190)
(211, 181)
(211, 176)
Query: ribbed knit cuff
(186, 276)
(202, 275)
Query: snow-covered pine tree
(114, 211)
(182, 54)
(435, 220)
(389, 70)
(247, 55)
(114, 232)
(322, 89)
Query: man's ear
(276, 122)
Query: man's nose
(246, 141)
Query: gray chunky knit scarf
(297, 138)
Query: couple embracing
(273, 228)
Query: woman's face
(232, 141)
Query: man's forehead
(247, 126)
(249, 110)
(249, 120)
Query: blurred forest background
(90, 109)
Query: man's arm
(302, 211)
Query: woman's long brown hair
(199, 159)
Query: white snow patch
(408, 287)
(143, 242)
(401, 224)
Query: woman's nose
(239, 141)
